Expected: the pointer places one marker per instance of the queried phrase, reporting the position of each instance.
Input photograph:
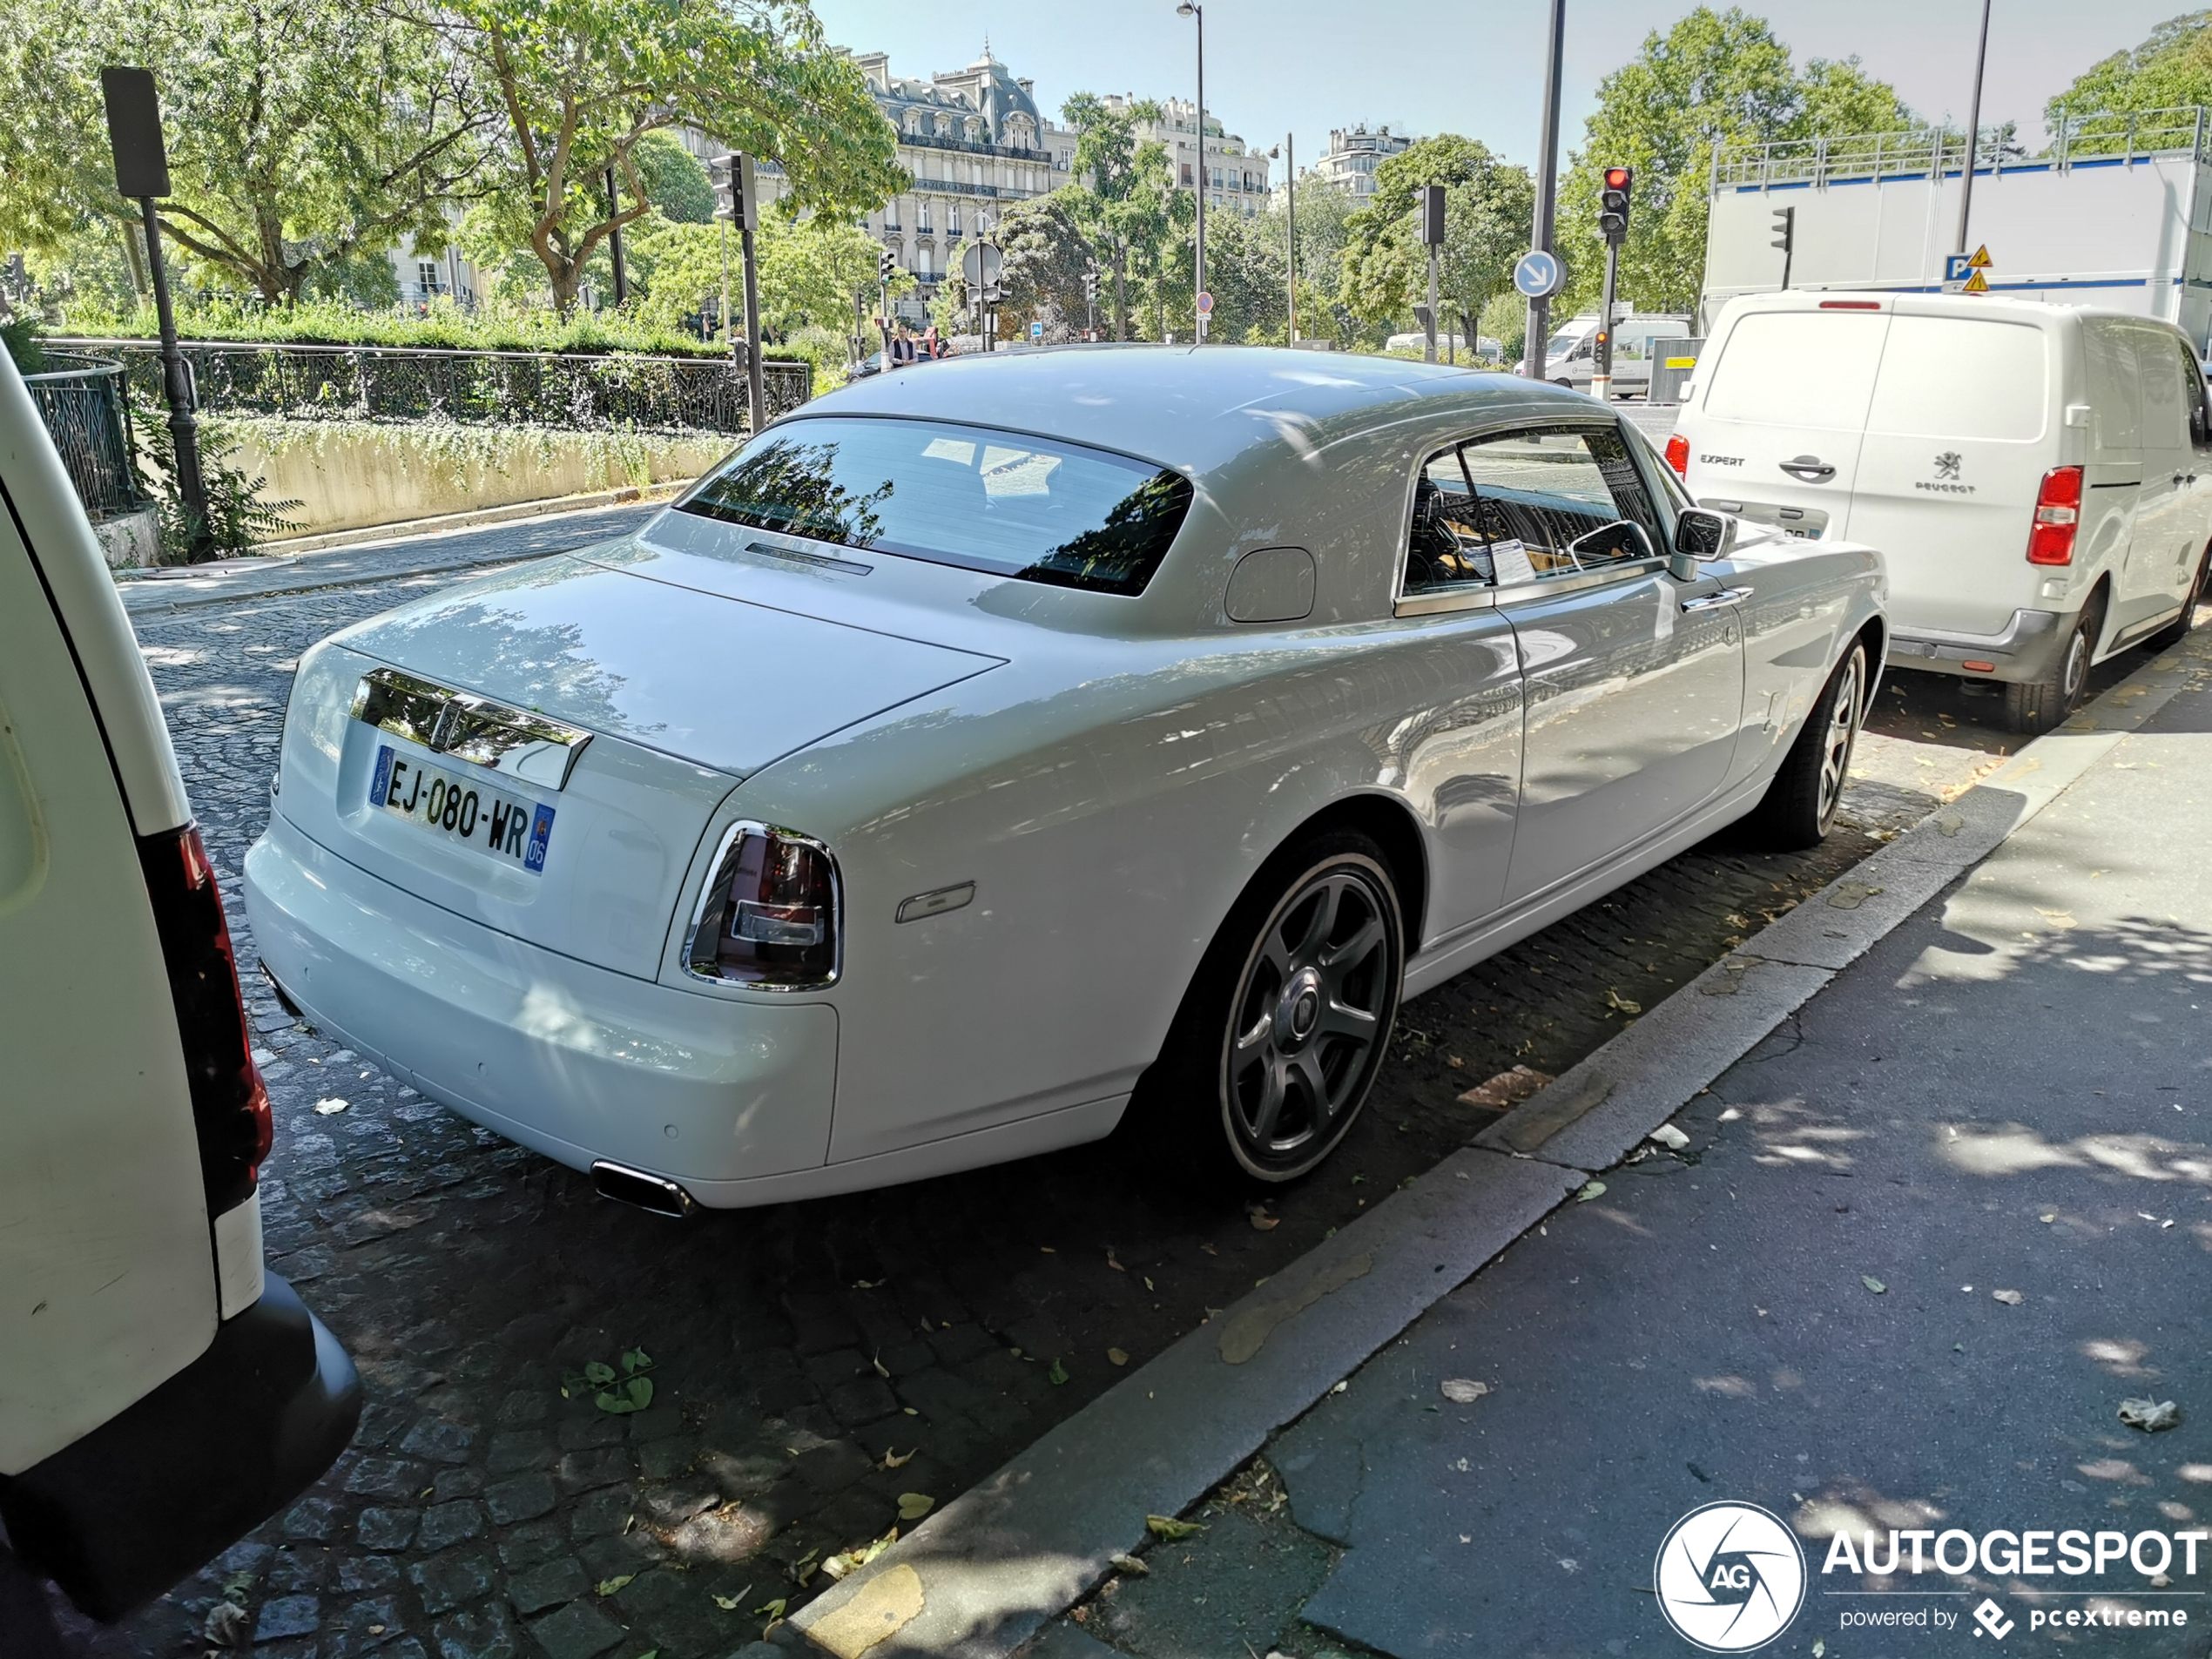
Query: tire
(2178, 629)
(1279, 1040)
(1799, 807)
(2034, 706)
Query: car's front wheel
(1278, 1042)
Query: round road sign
(1205, 304)
(1539, 273)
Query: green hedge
(336, 324)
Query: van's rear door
(1958, 434)
(1775, 437)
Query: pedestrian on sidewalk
(932, 347)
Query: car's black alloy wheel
(1800, 805)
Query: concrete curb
(984, 1575)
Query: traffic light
(1785, 237)
(886, 266)
(1090, 283)
(731, 176)
(1432, 216)
(1613, 204)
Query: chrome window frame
(723, 847)
(1471, 598)
(463, 717)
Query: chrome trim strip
(1725, 597)
(935, 902)
(717, 882)
(1544, 587)
(514, 743)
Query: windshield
(1034, 509)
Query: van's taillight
(769, 914)
(230, 1106)
(2057, 516)
(1678, 454)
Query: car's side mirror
(1699, 534)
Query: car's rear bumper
(574, 1061)
(171, 1482)
(2025, 649)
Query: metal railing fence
(2129, 136)
(82, 402)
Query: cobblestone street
(812, 1364)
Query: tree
(581, 83)
(303, 135)
(675, 182)
(1714, 77)
(1045, 255)
(1488, 205)
(2173, 68)
(810, 271)
(1126, 204)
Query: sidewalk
(1920, 1245)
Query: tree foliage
(579, 84)
(1488, 205)
(1714, 77)
(2174, 67)
(301, 133)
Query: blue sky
(1444, 65)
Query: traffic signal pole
(1613, 224)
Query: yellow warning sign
(1981, 261)
(1976, 284)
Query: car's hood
(723, 681)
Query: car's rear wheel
(1800, 806)
(2036, 706)
(1278, 1041)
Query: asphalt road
(813, 1362)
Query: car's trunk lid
(676, 696)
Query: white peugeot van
(2038, 476)
(160, 1395)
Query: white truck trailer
(2116, 212)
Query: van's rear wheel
(2034, 706)
(1278, 1041)
(2178, 629)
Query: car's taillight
(769, 914)
(230, 1106)
(2057, 516)
(1678, 454)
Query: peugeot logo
(1947, 465)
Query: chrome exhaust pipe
(654, 1193)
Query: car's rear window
(1035, 508)
(1798, 368)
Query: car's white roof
(1195, 408)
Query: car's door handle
(1725, 597)
(1809, 468)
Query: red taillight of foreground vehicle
(769, 915)
(230, 1106)
(1678, 454)
(2057, 516)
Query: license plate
(511, 830)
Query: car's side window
(1444, 546)
(1559, 502)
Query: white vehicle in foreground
(160, 1395)
(976, 750)
(2037, 476)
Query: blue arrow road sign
(1539, 273)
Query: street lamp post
(1973, 132)
(1540, 310)
(1191, 9)
(1289, 153)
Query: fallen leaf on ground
(727, 1603)
(1872, 1284)
(881, 1370)
(1614, 1000)
(1463, 1390)
(228, 1626)
(609, 1586)
(326, 1107)
(1169, 1528)
(1057, 1375)
(2053, 1217)
(1507, 1088)
(2010, 1299)
(1262, 1221)
(1130, 1565)
(892, 1460)
(913, 1505)
(860, 1285)
(1115, 1357)
(772, 1609)
(1670, 1137)
(1591, 1190)
(1111, 1263)
(2149, 1415)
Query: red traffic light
(1618, 178)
